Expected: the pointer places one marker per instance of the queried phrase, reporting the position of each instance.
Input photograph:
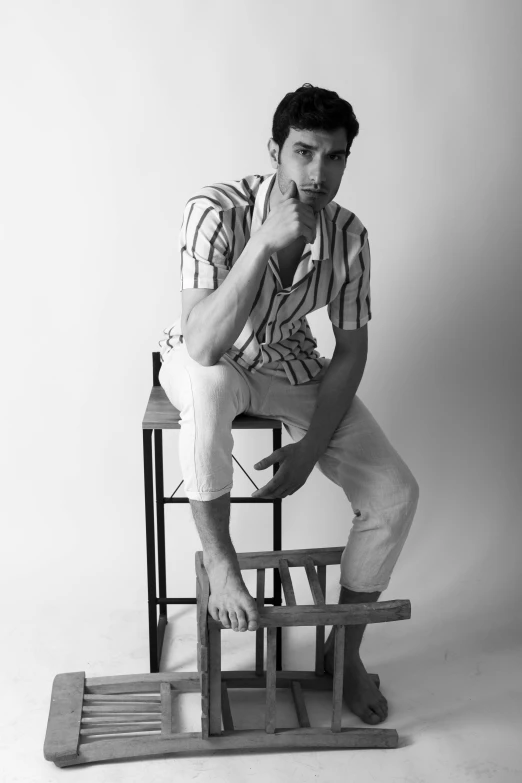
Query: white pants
(380, 487)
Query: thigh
(216, 388)
(359, 457)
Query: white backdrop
(113, 114)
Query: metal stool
(162, 415)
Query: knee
(213, 388)
(396, 498)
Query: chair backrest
(156, 365)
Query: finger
(270, 489)
(291, 191)
(266, 461)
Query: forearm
(215, 323)
(336, 392)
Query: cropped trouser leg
(208, 399)
(381, 489)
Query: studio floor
(455, 698)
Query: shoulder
(343, 220)
(229, 195)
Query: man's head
(312, 133)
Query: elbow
(201, 356)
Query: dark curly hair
(313, 108)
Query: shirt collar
(319, 249)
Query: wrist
(261, 243)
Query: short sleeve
(351, 308)
(203, 246)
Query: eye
(306, 152)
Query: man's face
(315, 160)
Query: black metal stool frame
(155, 502)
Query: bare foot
(229, 602)
(360, 693)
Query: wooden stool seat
(160, 414)
(131, 716)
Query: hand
(288, 221)
(296, 465)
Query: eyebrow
(314, 147)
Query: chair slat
(128, 728)
(166, 709)
(313, 580)
(338, 677)
(121, 698)
(228, 723)
(286, 581)
(260, 601)
(270, 714)
(300, 706)
(101, 709)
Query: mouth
(315, 192)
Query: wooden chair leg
(260, 600)
(214, 643)
(338, 677)
(270, 715)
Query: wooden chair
(161, 415)
(130, 716)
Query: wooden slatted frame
(143, 703)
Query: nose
(317, 172)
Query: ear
(273, 151)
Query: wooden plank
(214, 641)
(121, 698)
(166, 709)
(101, 720)
(128, 707)
(226, 712)
(294, 557)
(202, 595)
(313, 581)
(299, 704)
(271, 680)
(126, 728)
(204, 705)
(286, 582)
(260, 637)
(247, 739)
(63, 726)
(142, 683)
(320, 629)
(338, 677)
(330, 614)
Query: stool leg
(276, 437)
(151, 553)
(160, 520)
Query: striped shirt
(334, 272)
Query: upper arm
(351, 307)
(203, 245)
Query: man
(258, 255)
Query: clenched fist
(289, 220)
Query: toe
(241, 620)
(223, 618)
(233, 619)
